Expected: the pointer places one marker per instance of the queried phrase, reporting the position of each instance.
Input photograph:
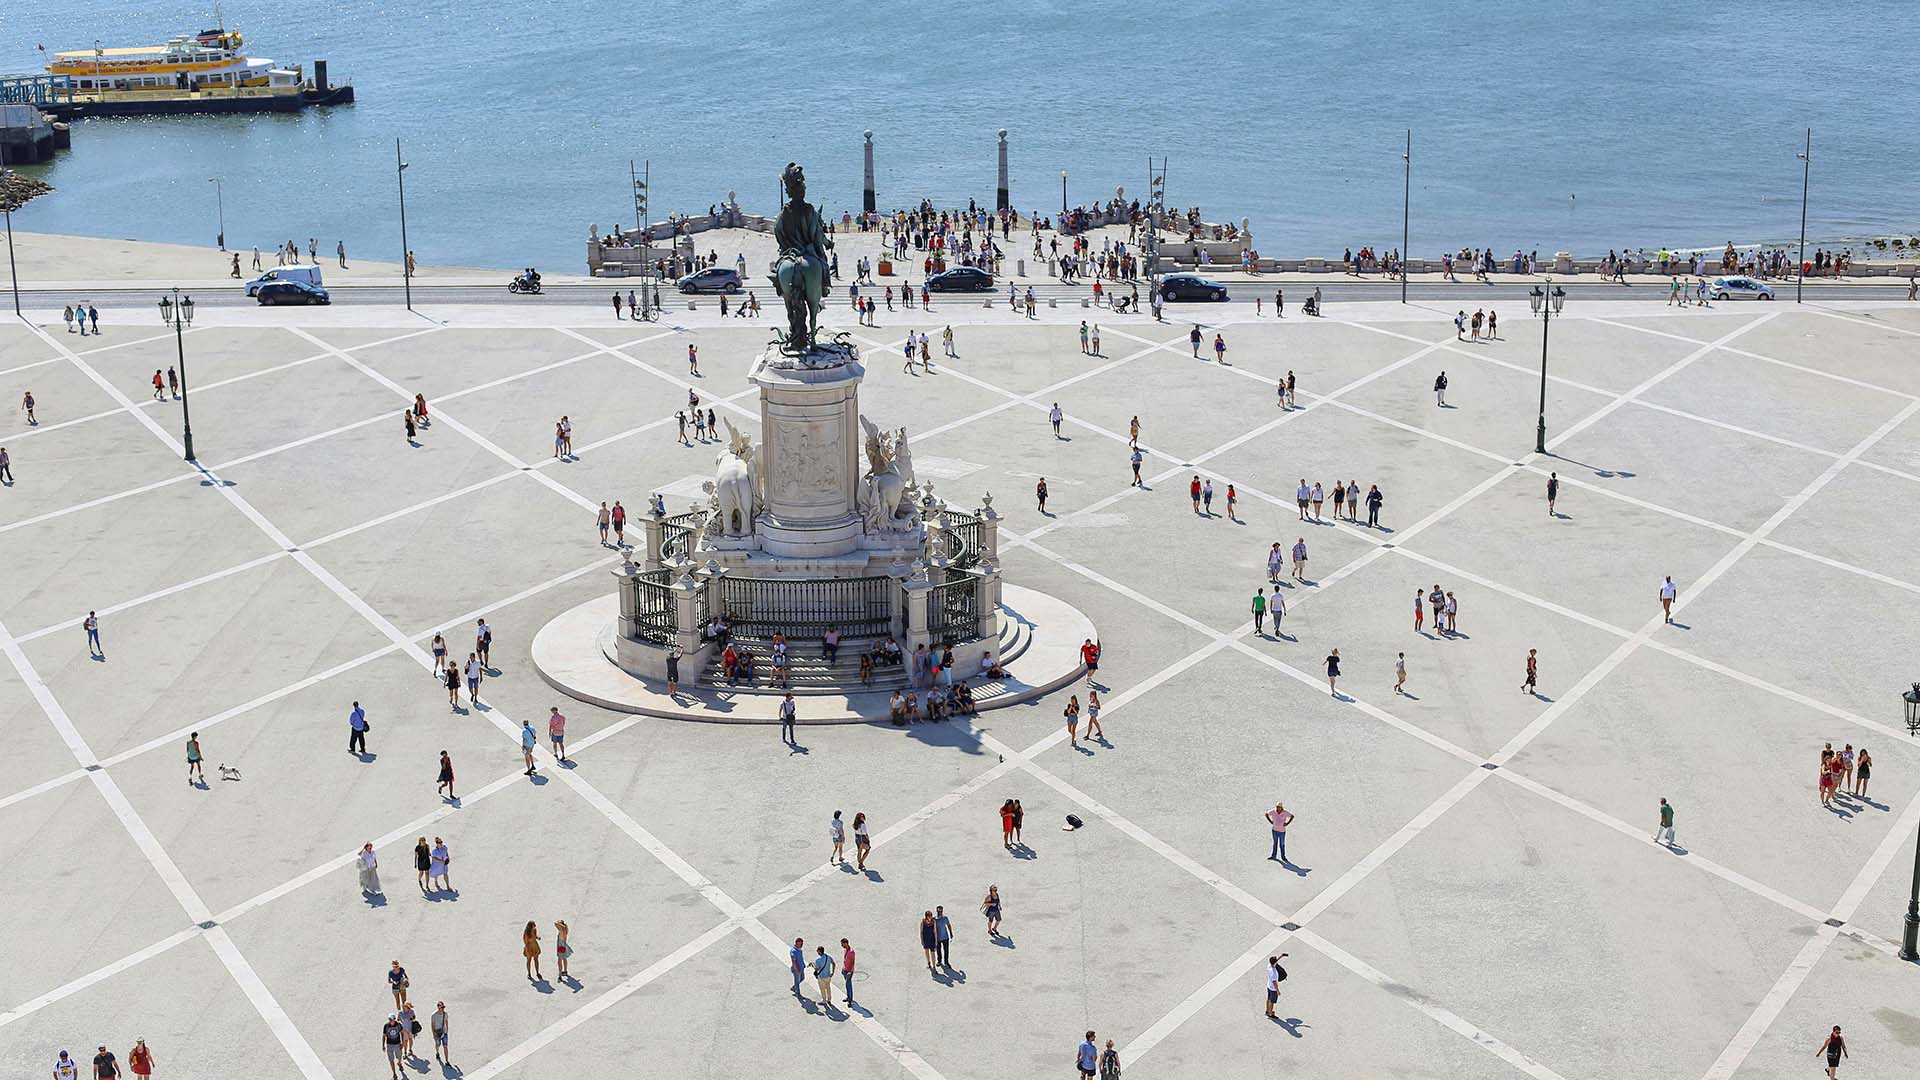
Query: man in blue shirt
(797, 960)
(1088, 1058)
(943, 933)
(528, 740)
(357, 723)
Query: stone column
(987, 600)
(627, 584)
(867, 197)
(989, 529)
(917, 589)
(1000, 201)
(810, 456)
(686, 593)
(655, 524)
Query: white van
(307, 274)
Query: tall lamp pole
(1545, 304)
(13, 269)
(1806, 177)
(406, 253)
(1406, 215)
(177, 311)
(1910, 940)
(1063, 194)
(220, 201)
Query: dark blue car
(1191, 287)
(961, 279)
(291, 292)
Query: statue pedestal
(810, 452)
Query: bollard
(988, 302)
(1084, 302)
(1053, 302)
(689, 305)
(1020, 268)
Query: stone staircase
(810, 672)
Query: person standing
(1275, 976)
(1302, 495)
(1056, 416)
(1835, 1048)
(796, 963)
(1400, 671)
(422, 862)
(195, 766)
(369, 870)
(406, 416)
(693, 359)
(557, 733)
(1668, 593)
(1553, 492)
(437, 1023)
(1333, 673)
(1087, 1057)
(616, 304)
(1419, 610)
(1300, 559)
(1233, 501)
(1453, 614)
(1319, 496)
(1259, 611)
(929, 940)
(437, 868)
(1110, 1057)
(528, 742)
(1292, 385)
(1374, 499)
(1339, 499)
(823, 975)
(862, 843)
(837, 833)
(451, 673)
(1530, 684)
(1019, 818)
(1278, 819)
(483, 642)
(1072, 713)
(562, 952)
(1040, 493)
(786, 721)
(392, 1038)
(339, 252)
(530, 951)
(673, 671)
(1862, 772)
(943, 933)
(846, 965)
(397, 983)
(1006, 825)
(1096, 340)
(1666, 823)
(605, 517)
(357, 730)
(1440, 390)
(140, 1059)
(1206, 497)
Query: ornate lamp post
(1546, 305)
(1063, 194)
(177, 311)
(1910, 941)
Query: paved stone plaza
(1474, 892)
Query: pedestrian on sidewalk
(369, 872)
(1259, 611)
(1835, 1048)
(451, 675)
(528, 743)
(1293, 385)
(339, 251)
(837, 833)
(1193, 339)
(437, 870)
(483, 642)
(616, 304)
(1096, 340)
(1087, 1058)
(862, 842)
(619, 524)
(1019, 818)
(1374, 499)
(1275, 976)
(604, 519)
(357, 727)
(1453, 614)
(1006, 825)
(1206, 497)
(1072, 713)
(1193, 492)
(422, 862)
(6, 467)
(943, 933)
(1553, 492)
(1440, 390)
(67, 314)
(1863, 771)
(786, 722)
(1300, 559)
(1040, 493)
(693, 359)
(990, 907)
(437, 1023)
(929, 940)
(1666, 824)
(1134, 459)
(445, 784)
(530, 951)
(1419, 610)
(557, 733)
(406, 415)
(140, 1059)
(1301, 496)
(1530, 684)
(173, 383)
(562, 950)
(1219, 349)
(796, 962)
(846, 968)
(1278, 819)
(160, 382)
(1339, 499)
(1333, 673)
(1233, 500)
(1668, 593)
(94, 314)
(195, 765)
(823, 973)
(1056, 416)
(1400, 674)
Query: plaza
(1474, 890)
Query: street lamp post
(406, 253)
(1063, 194)
(1806, 178)
(1545, 304)
(13, 269)
(220, 202)
(1406, 215)
(177, 311)
(1910, 940)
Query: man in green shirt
(1666, 823)
(1259, 610)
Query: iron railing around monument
(953, 608)
(959, 538)
(654, 612)
(758, 608)
(680, 534)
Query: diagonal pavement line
(619, 353)
(1654, 380)
(35, 364)
(93, 978)
(1783, 989)
(164, 867)
(448, 419)
(1777, 362)
(158, 594)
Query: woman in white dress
(369, 871)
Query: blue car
(291, 292)
(1191, 287)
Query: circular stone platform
(1040, 640)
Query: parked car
(961, 279)
(291, 292)
(308, 274)
(714, 279)
(1740, 287)
(1191, 287)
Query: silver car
(1740, 287)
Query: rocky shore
(15, 189)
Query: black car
(1191, 287)
(961, 279)
(714, 279)
(292, 292)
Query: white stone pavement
(1476, 893)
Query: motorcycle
(525, 283)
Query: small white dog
(227, 773)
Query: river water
(1577, 127)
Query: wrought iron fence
(953, 608)
(964, 530)
(758, 608)
(680, 534)
(654, 613)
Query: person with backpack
(1275, 976)
(1440, 390)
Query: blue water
(1538, 126)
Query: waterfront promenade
(1474, 889)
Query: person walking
(1440, 390)
(451, 674)
(406, 415)
(483, 642)
(393, 1038)
(990, 907)
(140, 1059)
(1193, 493)
(437, 867)
(786, 721)
(1292, 386)
(1300, 559)
(1302, 495)
(195, 766)
(1275, 560)
(1193, 338)
(1666, 823)
(369, 871)
(862, 843)
(1400, 673)
(93, 313)
(1219, 349)
(397, 983)
(1260, 611)
(528, 743)
(846, 964)
(562, 951)
(27, 403)
(1206, 497)
(1006, 825)
(422, 862)
(357, 727)
(673, 671)
(929, 940)
(943, 933)
(1339, 500)
(1668, 593)
(530, 951)
(1056, 416)
(1374, 499)
(437, 1024)
(619, 524)
(1529, 685)
(1040, 493)
(474, 672)
(1278, 819)
(1275, 976)
(1319, 497)
(6, 467)
(1134, 458)
(1277, 610)
(605, 518)
(557, 733)
(1553, 492)
(1333, 673)
(1072, 713)
(1835, 1048)
(837, 834)
(1087, 1057)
